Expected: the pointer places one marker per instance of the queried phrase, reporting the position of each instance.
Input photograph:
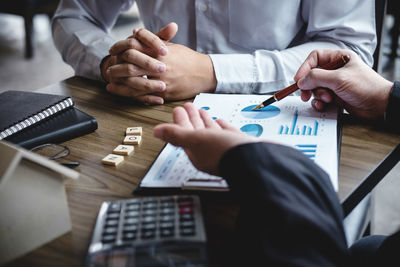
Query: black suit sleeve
(392, 114)
(290, 214)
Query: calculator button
(149, 226)
(133, 207)
(130, 228)
(148, 234)
(129, 236)
(167, 218)
(113, 216)
(131, 221)
(111, 223)
(131, 214)
(169, 224)
(166, 232)
(132, 201)
(165, 211)
(167, 203)
(149, 212)
(114, 207)
(188, 231)
(108, 238)
(148, 219)
(150, 205)
(110, 230)
(186, 217)
(187, 224)
(185, 209)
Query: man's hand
(356, 87)
(188, 73)
(130, 60)
(204, 140)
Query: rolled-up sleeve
(340, 24)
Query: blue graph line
(316, 128)
(308, 150)
(296, 115)
(301, 146)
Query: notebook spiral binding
(37, 117)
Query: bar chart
(308, 150)
(296, 129)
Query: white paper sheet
(289, 121)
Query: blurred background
(27, 71)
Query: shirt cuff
(235, 73)
(90, 67)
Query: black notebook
(31, 119)
(20, 110)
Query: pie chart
(252, 129)
(261, 113)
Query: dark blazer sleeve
(392, 114)
(290, 214)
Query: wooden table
(363, 147)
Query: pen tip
(259, 106)
(267, 102)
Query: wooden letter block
(124, 150)
(133, 131)
(132, 140)
(112, 159)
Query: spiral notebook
(20, 110)
(29, 119)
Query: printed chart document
(290, 122)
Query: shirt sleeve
(80, 32)
(290, 214)
(340, 24)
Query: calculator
(149, 231)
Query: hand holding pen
(338, 63)
(355, 87)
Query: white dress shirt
(256, 46)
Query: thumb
(168, 32)
(319, 78)
(174, 134)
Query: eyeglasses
(55, 152)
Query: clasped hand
(150, 69)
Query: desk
(363, 147)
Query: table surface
(363, 147)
